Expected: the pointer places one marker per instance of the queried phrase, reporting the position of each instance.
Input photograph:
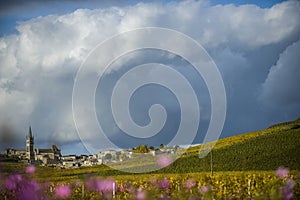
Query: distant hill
(278, 145)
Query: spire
(29, 132)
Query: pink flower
(204, 189)
(62, 191)
(287, 193)
(190, 183)
(91, 184)
(12, 181)
(164, 160)
(140, 195)
(282, 172)
(29, 190)
(105, 185)
(30, 169)
(165, 184)
(290, 183)
(122, 189)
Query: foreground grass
(220, 185)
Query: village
(53, 158)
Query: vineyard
(280, 184)
(243, 167)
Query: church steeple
(30, 146)
(29, 132)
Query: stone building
(35, 156)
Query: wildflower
(29, 190)
(204, 189)
(282, 172)
(165, 184)
(105, 185)
(290, 183)
(91, 184)
(190, 183)
(62, 191)
(140, 195)
(164, 160)
(122, 189)
(12, 181)
(287, 193)
(30, 169)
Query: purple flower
(287, 193)
(29, 190)
(190, 183)
(30, 169)
(165, 184)
(282, 172)
(35, 186)
(62, 191)
(91, 184)
(122, 189)
(290, 183)
(204, 189)
(105, 185)
(164, 160)
(12, 181)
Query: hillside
(278, 145)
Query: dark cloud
(255, 50)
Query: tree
(151, 148)
(141, 149)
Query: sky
(254, 44)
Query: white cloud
(282, 84)
(37, 65)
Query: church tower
(29, 146)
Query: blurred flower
(287, 193)
(189, 183)
(35, 186)
(140, 195)
(12, 181)
(122, 189)
(164, 160)
(62, 191)
(105, 185)
(30, 169)
(282, 172)
(91, 184)
(165, 184)
(290, 183)
(29, 190)
(204, 189)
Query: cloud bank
(255, 49)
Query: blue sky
(254, 46)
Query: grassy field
(221, 185)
